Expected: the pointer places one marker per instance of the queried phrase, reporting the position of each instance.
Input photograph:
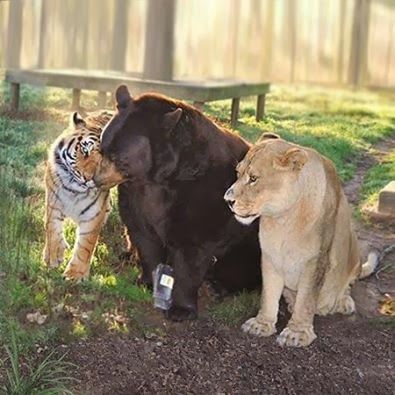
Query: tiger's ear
(77, 121)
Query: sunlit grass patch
(234, 310)
(26, 284)
(79, 329)
(45, 102)
(376, 178)
(339, 124)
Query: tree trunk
(268, 40)
(42, 35)
(14, 39)
(119, 35)
(292, 15)
(159, 40)
(340, 45)
(359, 42)
(234, 19)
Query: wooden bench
(106, 81)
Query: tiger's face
(88, 158)
(78, 150)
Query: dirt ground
(352, 355)
(349, 356)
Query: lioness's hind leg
(345, 304)
(290, 298)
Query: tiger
(70, 192)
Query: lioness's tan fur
(309, 250)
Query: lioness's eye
(252, 179)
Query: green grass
(376, 178)
(339, 124)
(45, 376)
(234, 310)
(26, 285)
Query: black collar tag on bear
(163, 281)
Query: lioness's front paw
(296, 337)
(76, 272)
(258, 328)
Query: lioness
(309, 251)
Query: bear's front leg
(190, 267)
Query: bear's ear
(171, 119)
(77, 121)
(122, 97)
(293, 159)
(268, 136)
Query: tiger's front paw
(258, 327)
(76, 271)
(294, 336)
(53, 253)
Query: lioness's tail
(370, 265)
(374, 258)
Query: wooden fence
(324, 41)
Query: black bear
(174, 165)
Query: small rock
(36, 317)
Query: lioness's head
(268, 180)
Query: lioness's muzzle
(229, 198)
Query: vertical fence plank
(14, 36)
(159, 40)
(119, 35)
(359, 42)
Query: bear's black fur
(178, 165)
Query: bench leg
(75, 105)
(15, 89)
(101, 99)
(235, 111)
(199, 105)
(260, 107)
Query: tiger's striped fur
(70, 192)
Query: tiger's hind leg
(88, 234)
(55, 243)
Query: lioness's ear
(171, 119)
(293, 159)
(268, 136)
(122, 97)
(77, 121)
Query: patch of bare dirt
(369, 294)
(349, 356)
